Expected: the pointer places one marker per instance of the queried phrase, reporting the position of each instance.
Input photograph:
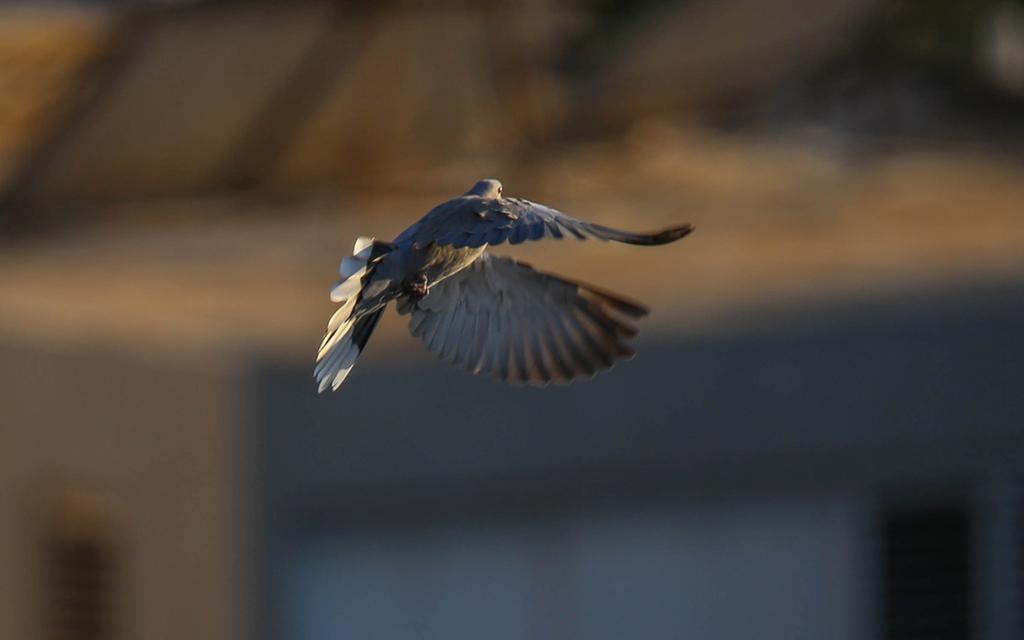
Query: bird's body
(485, 313)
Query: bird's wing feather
(473, 222)
(503, 318)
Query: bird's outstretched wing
(503, 318)
(474, 222)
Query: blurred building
(855, 475)
(124, 100)
(856, 478)
(203, 96)
(821, 436)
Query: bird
(486, 313)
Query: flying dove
(485, 313)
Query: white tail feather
(363, 243)
(348, 288)
(341, 315)
(350, 265)
(338, 352)
(352, 269)
(333, 336)
(336, 358)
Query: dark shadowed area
(822, 434)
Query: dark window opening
(926, 559)
(79, 557)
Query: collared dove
(485, 313)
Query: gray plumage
(487, 314)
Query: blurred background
(822, 435)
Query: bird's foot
(416, 288)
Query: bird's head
(486, 188)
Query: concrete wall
(151, 451)
(737, 457)
(785, 570)
(717, 487)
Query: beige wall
(158, 449)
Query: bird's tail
(349, 331)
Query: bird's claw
(416, 288)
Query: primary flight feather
(488, 314)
